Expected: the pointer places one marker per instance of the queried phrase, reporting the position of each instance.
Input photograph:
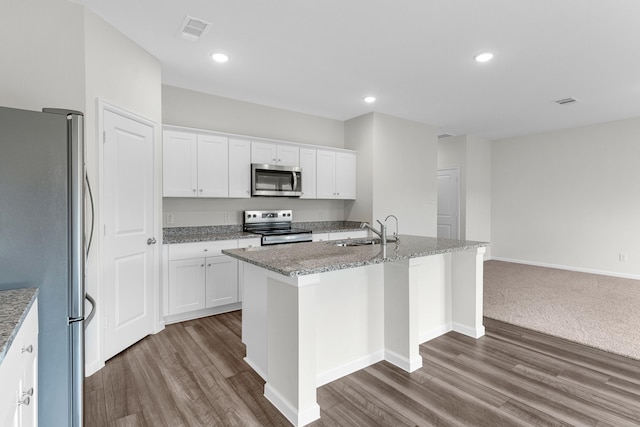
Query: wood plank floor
(192, 374)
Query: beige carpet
(599, 311)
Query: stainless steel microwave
(274, 180)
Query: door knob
(151, 241)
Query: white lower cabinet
(221, 283)
(186, 285)
(19, 376)
(352, 234)
(201, 278)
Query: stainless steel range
(275, 227)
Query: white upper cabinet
(213, 166)
(239, 168)
(179, 164)
(345, 175)
(308, 166)
(336, 175)
(268, 153)
(194, 165)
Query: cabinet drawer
(200, 249)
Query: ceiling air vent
(193, 28)
(565, 101)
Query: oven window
(267, 180)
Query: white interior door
(128, 209)
(449, 203)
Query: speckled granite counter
(318, 257)
(230, 232)
(14, 305)
(204, 234)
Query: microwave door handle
(295, 181)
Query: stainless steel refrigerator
(43, 245)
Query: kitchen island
(314, 312)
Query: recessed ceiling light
(220, 57)
(484, 57)
(369, 99)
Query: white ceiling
(416, 56)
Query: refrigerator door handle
(93, 310)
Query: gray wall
(569, 198)
(182, 107)
(397, 165)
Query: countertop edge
(355, 264)
(18, 323)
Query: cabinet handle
(25, 401)
(206, 250)
(201, 190)
(194, 190)
(151, 241)
(27, 349)
(208, 265)
(201, 265)
(28, 392)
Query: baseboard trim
(255, 367)
(349, 368)
(92, 368)
(469, 331)
(190, 315)
(403, 362)
(567, 267)
(296, 417)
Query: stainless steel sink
(358, 242)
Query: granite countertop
(231, 232)
(318, 257)
(205, 234)
(14, 306)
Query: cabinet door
(244, 243)
(221, 281)
(213, 166)
(264, 153)
(288, 155)
(239, 168)
(308, 166)
(179, 164)
(326, 174)
(186, 285)
(345, 175)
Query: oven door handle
(295, 181)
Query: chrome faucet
(382, 233)
(395, 235)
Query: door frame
(457, 171)
(158, 325)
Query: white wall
(42, 53)
(569, 198)
(452, 153)
(182, 107)
(121, 73)
(397, 166)
(472, 155)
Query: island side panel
(435, 297)
(350, 321)
(467, 272)
(402, 282)
(254, 317)
(291, 347)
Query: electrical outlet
(169, 218)
(227, 217)
(622, 257)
